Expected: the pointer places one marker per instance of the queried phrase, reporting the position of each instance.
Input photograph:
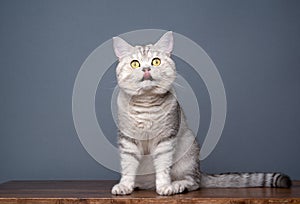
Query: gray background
(254, 44)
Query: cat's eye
(135, 64)
(155, 62)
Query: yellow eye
(135, 64)
(155, 62)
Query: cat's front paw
(121, 189)
(167, 189)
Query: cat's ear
(121, 47)
(166, 42)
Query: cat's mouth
(150, 78)
(147, 82)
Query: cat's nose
(146, 69)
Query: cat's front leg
(163, 159)
(130, 159)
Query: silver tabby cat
(157, 148)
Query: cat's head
(145, 69)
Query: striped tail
(240, 180)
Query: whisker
(174, 82)
(179, 85)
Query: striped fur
(157, 148)
(238, 180)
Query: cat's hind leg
(185, 172)
(185, 176)
(187, 182)
(184, 185)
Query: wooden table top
(92, 192)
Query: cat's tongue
(147, 75)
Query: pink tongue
(147, 75)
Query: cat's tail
(239, 180)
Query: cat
(157, 148)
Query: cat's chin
(147, 85)
(153, 89)
(146, 88)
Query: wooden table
(92, 192)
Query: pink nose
(147, 74)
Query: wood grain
(92, 192)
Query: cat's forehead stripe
(143, 50)
(146, 49)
